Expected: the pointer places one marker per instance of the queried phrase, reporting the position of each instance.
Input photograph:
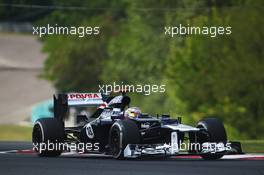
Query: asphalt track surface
(31, 164)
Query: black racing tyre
(122, 132)
(216, 133)
(48, 137)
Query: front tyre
(215, 133)
(122, 133)
(47, 137)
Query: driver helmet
(132, 112)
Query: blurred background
(204, 76)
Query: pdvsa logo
(83, 96)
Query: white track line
(69, 154)
(243, 156)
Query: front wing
(172, 149)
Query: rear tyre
(122, 133)
(215, 133)
(47, 136)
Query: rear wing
(63, 101)
(84, 99)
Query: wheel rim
(115, 143)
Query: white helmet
(132, 112)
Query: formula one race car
(121, 131)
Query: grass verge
(252, 146)
(15, 133)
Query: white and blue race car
(121, 131)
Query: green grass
(252, 146)
(14, 132)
